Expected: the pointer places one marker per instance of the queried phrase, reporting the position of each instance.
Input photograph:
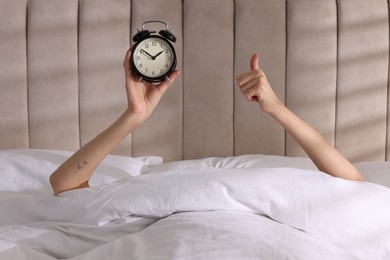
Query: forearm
(79, 168)
(255, 87)
(321, 152)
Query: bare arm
(255, 87)
(142, 98)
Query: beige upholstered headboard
(61, 76)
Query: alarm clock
(153, 57)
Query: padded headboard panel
(61, 75)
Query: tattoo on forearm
(81, 165)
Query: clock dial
(154, 57)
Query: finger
(163, 86)
(252, 94)
(244, 77)
(250, 84)
(255, 61)
(126, 62)
(248, 76)
(127, 57)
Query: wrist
(276, 109)
(134, 118)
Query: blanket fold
(347, 213)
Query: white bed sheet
(217, 218)
(218, 235)
(268, 213)
(28, 170)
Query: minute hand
(147, 53)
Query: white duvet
(278, 213)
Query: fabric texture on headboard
(61, 74)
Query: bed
(207, 176)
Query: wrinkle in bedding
(219, 235)
(329, 215)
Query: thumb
(255, 61)
(162, 87)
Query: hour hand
(147, 53)
(155, 56)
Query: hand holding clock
(143, 96)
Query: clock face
(154, 58)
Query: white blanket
(211, 214)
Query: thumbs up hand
(255, 87)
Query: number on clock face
(153, 57)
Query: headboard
(62, 82)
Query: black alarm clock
(153, 57)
